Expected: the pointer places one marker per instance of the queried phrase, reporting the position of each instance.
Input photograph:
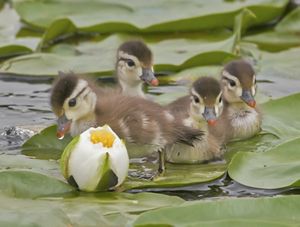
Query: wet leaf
(10, 45)
(227, 212)
(276, 168)
(176, 175)
(280, 124)
(99, 57)
(278, 73)
(24, 212)
(281, 117)
(27, 184)
(113, 209)
(11, 50)
(21, 162)
(279, 165)
(133, 16)
(45, 144)
(286, 34)
(85, 209)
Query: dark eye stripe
(232, 82)
(83, 89)
(125, 59)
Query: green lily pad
(10, 45)
(280, 143)
(45, 144)
(276, 168)
(176, 175)
(274, 41)
(174, 54)
(113, 209)
(291, 22)
(281, 117)
(16, 212)
(133, 16)
(27, 184)
(279, 73)
(286, 34)
(278, 211)
(21, 162)
(280, 124)
(101, 209)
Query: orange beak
(248, 98)
(252, 103)
(63, 126)
(154, 82)
(212, 122)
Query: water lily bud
(96, 160)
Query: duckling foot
(161, 165)
(156, 175)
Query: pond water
(24, 108)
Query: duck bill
(248, 98)
(149, 77)
(210, 115)
(63, 126)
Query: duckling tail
(188, 135)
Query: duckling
(241, 118)
(139, 121)
(135, 66)
(199, 110)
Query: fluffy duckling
(134, 67)
(139, 121)
(199, 110)
(241, 119)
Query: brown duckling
(139, 121)
(241, 118)
(134, 67)
(199, 110)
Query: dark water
(24, 106)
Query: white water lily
(96, 160)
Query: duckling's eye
(72, 102)
(196, 99)
(220, 99)
(130, 63)
(232, 83)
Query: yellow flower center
(102, 136)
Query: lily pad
(133, 16)
(45, 144)
(280, 125)
(27, 184)
(281, 117)
(101, 209)
(280, 143)
(21, 162)
(227, 212)
(278, 73)
(10, 45)
(25, 212)
(174, 54)
(286, 34)
(112, 209)
(176, 175)
(276, 168)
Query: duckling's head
(71, 99)
(135, 64)
(207, 104)
(239, 82)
